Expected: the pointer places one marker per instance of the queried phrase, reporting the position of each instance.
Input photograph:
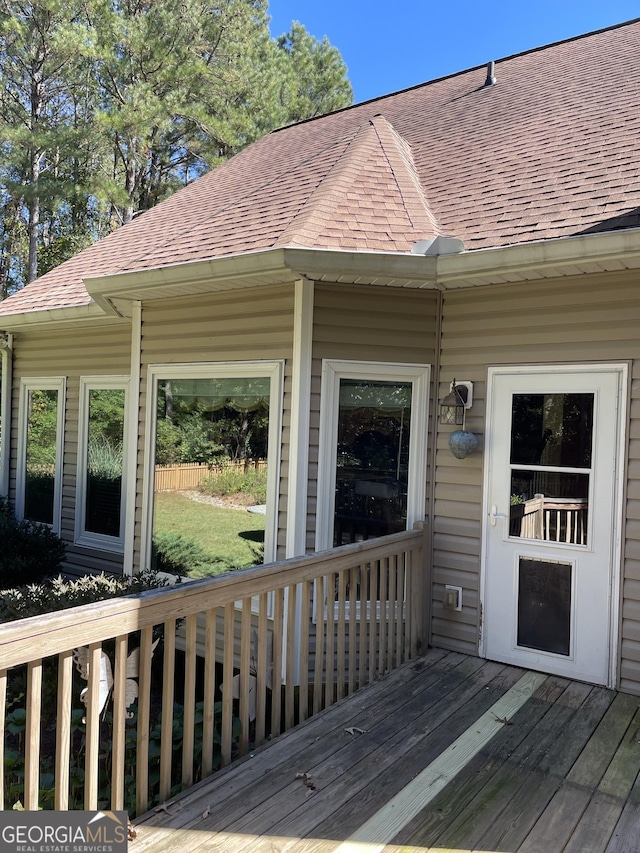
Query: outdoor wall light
(453, 410)
(455, 404)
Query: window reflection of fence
(189, 476)
(551, 519)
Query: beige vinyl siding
(222, 327)
(589, 318)
(96, 350)
(366, 324)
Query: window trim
(272, 370)
(82, 536)
(46, 383)
(333, 370)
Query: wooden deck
(446, 752)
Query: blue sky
(397, 44)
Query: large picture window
(100, 502)
(214, 431)
(372, 466)
(39, 479)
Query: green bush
(182, 555)
(58, 593)
(249, 481)
(30, 552)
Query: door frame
(623, 371)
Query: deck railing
(263, 648)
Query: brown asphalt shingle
(550, 151)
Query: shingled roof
(550, 150)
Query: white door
(553, 442)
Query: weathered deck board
(560, 774)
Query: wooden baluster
(290, 646)
(374, 574)
(353, 627)
(119, 722)
(382, 647)
(32, 736)
(320, 605)
(276, 697)
(400, 588)
(245, 674)
(189, 705)
(391, 611)
(226, 734)
(330, 666)
(92, 746)
(305, 625)
(144, 719)
(63, 730)
(364, 622)
(166, 734)
(340, 645)
(261, 672)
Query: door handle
(494, 515)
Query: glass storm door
(550, 519)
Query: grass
(233, 538)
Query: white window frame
(333, 370)
(272, 370)
(46, 383)
(82, 536)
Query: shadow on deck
(446, 752)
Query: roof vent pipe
(491, 77)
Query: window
(101, 486)
(39, 476)
(373, 435)
(213, 478)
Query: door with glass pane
(551, 516)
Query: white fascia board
(623, 246)
(58, 318)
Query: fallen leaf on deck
(503, 720)
(132, 834)
(352, 730)
(306, 780)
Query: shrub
(58, 593)
(182, 555)
(232, 480)
(30, 551)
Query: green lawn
(232, 536)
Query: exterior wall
(221, 327)
(90, 351)
(590, 318)
(367, 324)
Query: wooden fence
(98, 707)
(189, 476)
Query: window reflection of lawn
(230, 534)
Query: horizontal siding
(589, 318)
(91, 351)
(366, 324)
(245, 325)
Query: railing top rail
(42, 636)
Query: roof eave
(59, 318)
